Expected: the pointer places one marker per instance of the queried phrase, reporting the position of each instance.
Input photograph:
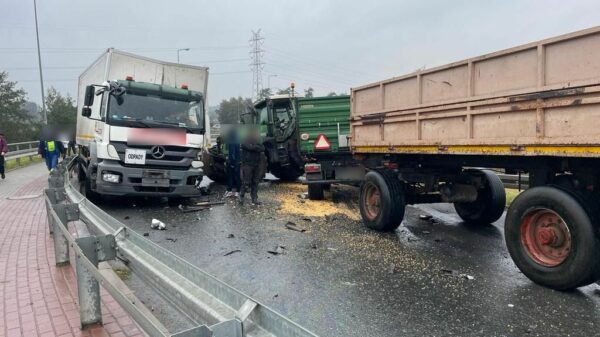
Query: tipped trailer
(533, 108)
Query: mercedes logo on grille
(157, 152)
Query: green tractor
(295, 131)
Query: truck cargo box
(541, 98)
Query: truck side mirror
(88, 101)
(90, 90)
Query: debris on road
(307, 219)
(194, 209)
(511, 305)
(171, 239)
(392, 268)
(292, 226)
(303, 195)
(424, 216)
(230, 236)
(157, 224)
(426, 232)
(451, 272)
(126, 217)
(146, 234)
(351, 284)
(277, 250)
(210, 203)
(232, 252)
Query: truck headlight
(110, 177)
(112, 152)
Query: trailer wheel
(490, 203)
(551, 238)
(315, 191)
(382, 201)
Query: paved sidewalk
(36, 297)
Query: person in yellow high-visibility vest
(50, 150)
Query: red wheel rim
(546, 237)
(372, 200)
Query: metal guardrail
(20, 150)
(223, 310)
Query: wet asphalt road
(340, 279)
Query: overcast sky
(327, 45)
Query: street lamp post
(37, 36)
(269, 79)
(182, 49)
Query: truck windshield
(132, 107)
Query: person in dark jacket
(3, 152)
(232, 165)
(252, 151)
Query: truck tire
(552, 238)
(315, 191)
(288, 173)
(214, 166)
(80, 171)
(490, 202)
(382, 201)
(88, 192)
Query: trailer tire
(315, 191)
(490, 203)
(552, 238)
(382, 201)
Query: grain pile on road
(291, 203)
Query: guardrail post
(66, 213)
(95, 249)
(53, 196)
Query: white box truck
(141, 126)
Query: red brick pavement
(36, 297)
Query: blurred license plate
(158, 182)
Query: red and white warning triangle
(322, 143)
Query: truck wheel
(315, 191)
(88, 193)
(490, 202)
(381, 201)
(80, 171)
(551, 238)
(289, 173)
(214, 166)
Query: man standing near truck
(252, 151)
(232, 165)
(3, 151)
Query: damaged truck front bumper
(116, 179)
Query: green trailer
(299, 134)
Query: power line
(256, 53)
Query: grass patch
(11, 164)
(511, 194)
(122, 273)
